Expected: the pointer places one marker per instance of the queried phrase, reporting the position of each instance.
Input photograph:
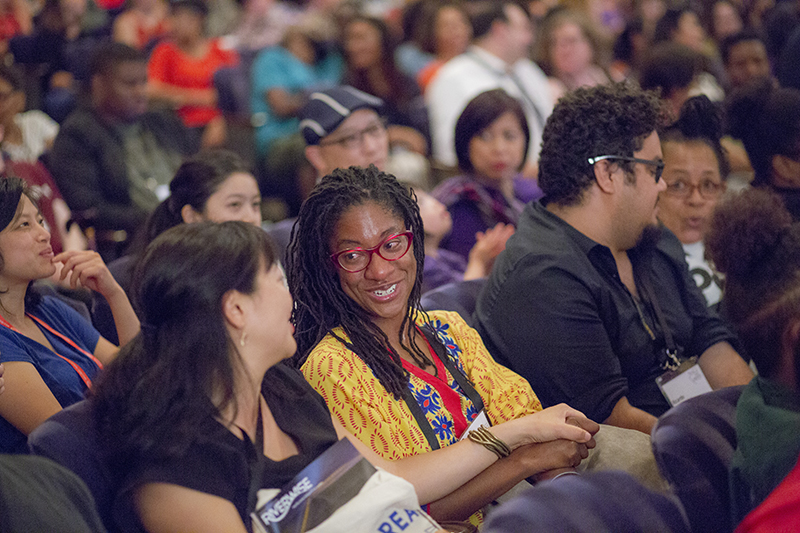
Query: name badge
(480, 422)
(686, 382)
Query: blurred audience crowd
(128, 118)
(237, 74)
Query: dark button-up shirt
(556, 311)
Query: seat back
(281, 232)
(37, 494)
(70, 439)
(233, 87)
(233, 99)
(461, 297)
(601, 502)
(693, 444)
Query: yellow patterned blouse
(363, 406)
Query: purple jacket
(475, 206)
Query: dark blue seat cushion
(693, 444)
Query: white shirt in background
(466, 76)
(38, 132)
(709, 281)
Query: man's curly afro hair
(609, 119)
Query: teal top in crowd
(274, 68)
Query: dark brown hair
(753, 241)
(479, 114)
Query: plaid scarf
(493, 206)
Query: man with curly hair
(592, 300)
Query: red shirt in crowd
(170, 65)
(780, 511)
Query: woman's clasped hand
(85, 268)
(554, 423)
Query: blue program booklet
(329, 482)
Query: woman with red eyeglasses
(402, 380)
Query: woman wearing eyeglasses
(401, 380)
(695, 167)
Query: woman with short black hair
(491, 141)
(51, 354)
(695, 171)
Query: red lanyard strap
(450, 398)
(79, 370)
(84, 377)
(441, 359)
(67, 340)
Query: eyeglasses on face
(391, 249)
(709, 190)
(656, 163)
(374, 131)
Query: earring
(243, 339)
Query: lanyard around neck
(81, 373)
(451, 400)
(461, 379)
(672, 361)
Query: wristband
(485, 438)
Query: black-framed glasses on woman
(709, 189)
(391, 249)
(656, 163)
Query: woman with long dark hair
(369, 47)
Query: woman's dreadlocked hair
(320, 303)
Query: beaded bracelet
(485, 438)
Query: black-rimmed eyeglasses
(358, 259)
(355, 140)
(657, 163)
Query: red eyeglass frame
(374, 250)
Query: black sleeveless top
(217, 463)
